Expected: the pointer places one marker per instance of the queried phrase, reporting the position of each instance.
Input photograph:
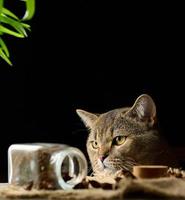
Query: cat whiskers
(122, 164)
(80, 130)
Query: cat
(124, 137)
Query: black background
(94, 56)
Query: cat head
(120, 138)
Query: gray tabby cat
(122, 138)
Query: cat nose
(102, 157)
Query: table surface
(5, 184)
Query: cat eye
(94, 144)
(118, 140)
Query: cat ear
(144, 109)
(87, 118)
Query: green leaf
(3, 55)
(15, 24)
(4, 47)
(9, 13)
(1, 6)
(30, 9)
(19, 28)
(27, 26)
(10, 32)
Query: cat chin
(106, 173)
(109, 171)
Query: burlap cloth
(128, 188)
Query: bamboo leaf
(15, 24)
(7, 17)
(30, 9)
(3, 56)
(10, 32)
(27, 26)
(4, 47)
(9, 13)
(1, 6)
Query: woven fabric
(127, 188)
